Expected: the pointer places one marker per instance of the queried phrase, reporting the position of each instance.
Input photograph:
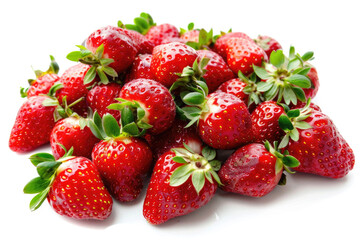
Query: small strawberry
(122, 160)
(235, 87)
(221, 43)
(182, 181)
(43, 82)
(101, 96)
(255, 169)
(72, 186)
(152, 103)
(217, 71)
(140, 68)
(265, 122)
(169, 60)
(268, 44)
(315, 84)
(242, 55)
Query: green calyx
(99, 65)
(205, 41)
(285, 77)
(253, 88)
(53, 69)
(199, 167)
(46, 167)
(292, 121)
(142, 24)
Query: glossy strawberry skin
(268, 44)
(221, 43)
(217, 70)
(123, 164)
(265, 122)
(117, 46)
(32, 126)
(142, 44)
(235, 87)
(155, 99)
(242, 54)
(78, 191)
(157, 34)
(42, 84)
(227, 125)
(321, 150)
(68, 132)
(169, 60)
(140, 68)
(313, 76)
(250, 171)
(101, 96)
(164, 202)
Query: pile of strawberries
(146, 99)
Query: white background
(308, 207)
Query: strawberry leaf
(180, 175)
(41, 157)
(285, 123)
(36, 202)
(90, 75)
(36, 185)
(110, 125)
(277, 58)
(290, 161)
(198, 180)
(47, 169)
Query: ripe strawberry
(157, 34)
(265, 122)
(70, 132)
(153, 100)
(221, 43)
(182, 181)
(140, 68)
(242, 54)
(122, 160)
(142, 44)
(268, 44)
(173, 39)
(217, 71)
(72, 186)
(191, 35)
(101, 96)
(169, 60)
(254, 169)
(43, 82)
(303, 104)
(235, 87)
(315, 84)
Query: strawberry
(182, 181)
(254, 169)
(72, 186)
(169, 60)
(235, 87)
(312, 137)
(142, 44)
(221, 43)
(268, 44)
(173, 39)
(191, 35)
(151, 101)
(122, 160)
(43, 82)
(101, 96)
(265, 122)
(315, 84)
(217, 71)
(140, 68)
(71, 132)
(157, 34)
(242, 54)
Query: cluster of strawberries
(147, 99)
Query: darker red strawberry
(315, 84)
(235, 87)
(221, 43)
(157, 34)
(101, 96)
(182, 181)
(217, 70)
(169, 60)
(140, 68)
(72, 186)
(268, 44)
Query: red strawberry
(235, 87)
(157, 34)
(118, 46)
(142, 44)
(191, 35)
(69, 132)
(72, 186)
(242, 54)
(217, 71)
(221, 43)
(268, 44)
(169, 60)
(182, 181)
(173, 39)
(315, 84)
(154, 99)
(303, 104)
(254, 170)
(140, 68)
(265, 122)
(101, 96)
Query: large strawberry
(43, 82)
(254, 169)
(140, 68)
(169, 60)
(152, 103)
(221, 43)
(267, 43)
(182, 181)
(72, 186)
(122, 160)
